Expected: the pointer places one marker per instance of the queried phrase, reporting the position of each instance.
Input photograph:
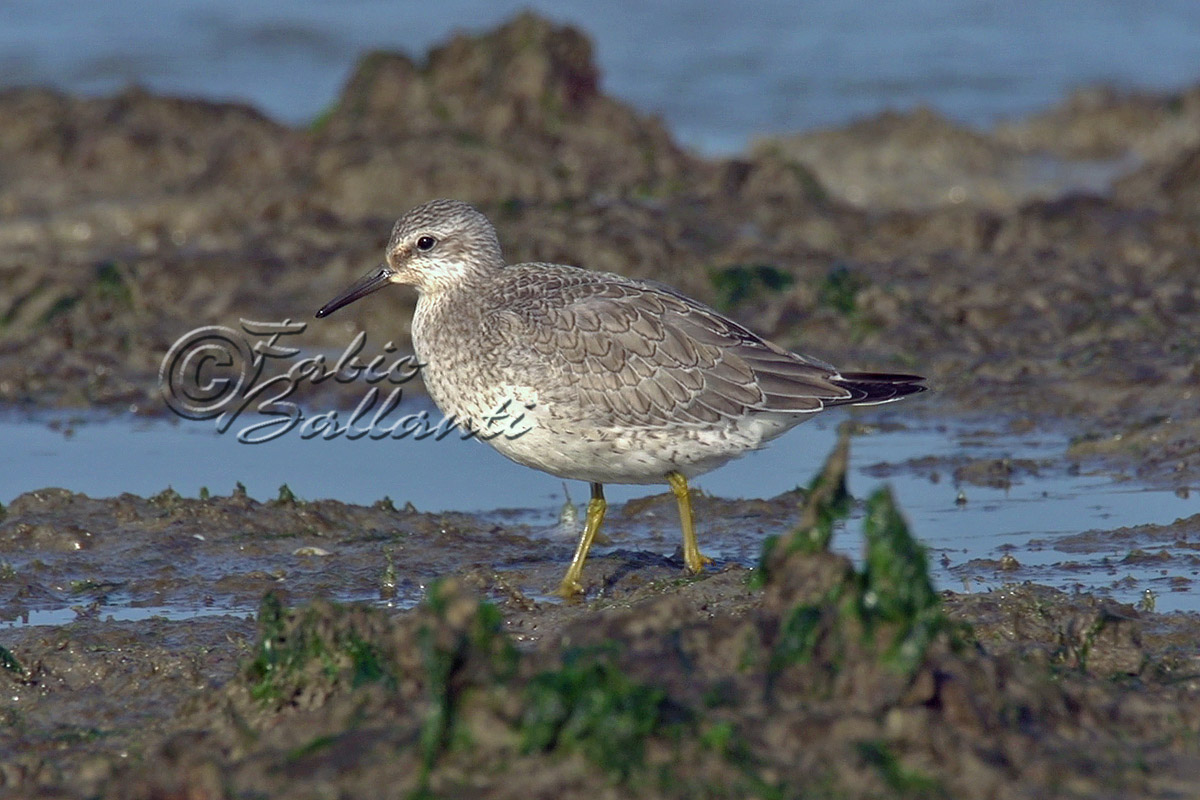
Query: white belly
(574, 450)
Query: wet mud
(807, 675)
(1045, 270)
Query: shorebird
(619, 380)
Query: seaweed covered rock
(512, 113)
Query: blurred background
(1002, 197)
(717, 73)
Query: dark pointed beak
(373, 280)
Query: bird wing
(639, 354)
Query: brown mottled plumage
(619, 380)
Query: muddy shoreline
(655, 685)
(1046, 271)
(128, 221)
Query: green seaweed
(826, 503)
(591, 707)
(896, 586)
(740, 282)
(168, 499)
(891, 597)
(314, 745)
(295, 647)
(286, 496)
(839, 289)
(320, 122)
(59, 307)
(903, 781)
(9, 663)
(112, 281)
(801, 631)
(454, 658)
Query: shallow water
(1033, 497)
(718, 78)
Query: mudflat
(901, 243)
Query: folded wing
(637, 354)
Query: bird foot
(697, 563)
(569, 589)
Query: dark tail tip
(873, 388)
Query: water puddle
(993, 505)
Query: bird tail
(874, 388)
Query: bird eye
(426, 243)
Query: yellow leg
(570, 585)
(691, 549)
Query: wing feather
(638, 354)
